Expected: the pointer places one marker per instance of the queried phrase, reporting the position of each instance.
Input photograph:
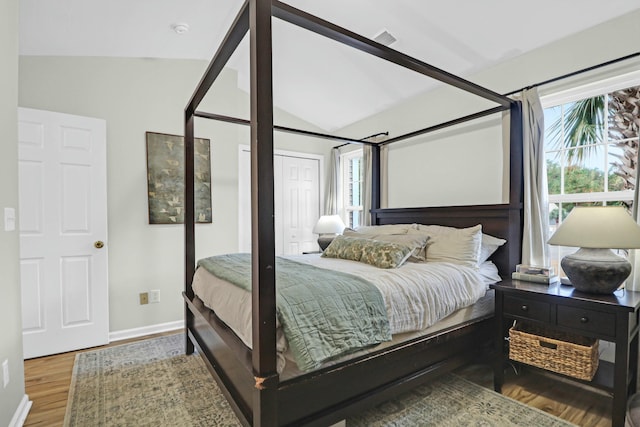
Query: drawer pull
(584, 319)
(524, 307)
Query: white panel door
(63, 232)
(300, 204)
(297, 202)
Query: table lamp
(327, 228)
(596, 230)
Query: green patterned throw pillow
(374, 252)
(344, 247)
(385, 254)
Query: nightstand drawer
(587, 320)
(534, 310)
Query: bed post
(516, 187)
(189, 221)
(263, 280)
(375, 181)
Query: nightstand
(612, 318)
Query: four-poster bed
(249, 378)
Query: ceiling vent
(385, 38)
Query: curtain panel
(332, 196)
(536, 205)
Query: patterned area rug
(152, 383)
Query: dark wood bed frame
(249, 378)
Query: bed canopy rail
(444, 125)
(322, 27)
(258, 404)
(286, 129)
(349, 38)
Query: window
(352, 177)
(591, 148)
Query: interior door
(297, 202)
(63, 232)
(300, 204)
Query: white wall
(134, 96)
(10, 315)
(461, 166)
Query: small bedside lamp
(327, 228)
(596, 230)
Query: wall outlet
(154, 296)
(144, 298)
(5, 373)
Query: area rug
(153, 383)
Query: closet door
(300, 204)
(297, 193)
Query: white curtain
(366, 184)
(333, 184)
(536, 211)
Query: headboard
(503, 220)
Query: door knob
(99, 244)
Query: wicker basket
(567, 354)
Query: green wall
(11, 397)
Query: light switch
(9, 219)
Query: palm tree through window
(591, 149)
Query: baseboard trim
(21, 413)
(145, 330)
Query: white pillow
(489, 273)
(384, 229)
(489, 245)
(455, 245)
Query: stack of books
(536, 274)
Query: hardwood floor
(580, 405)
(48, 379)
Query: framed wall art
(165, 178)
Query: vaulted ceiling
(318, 80)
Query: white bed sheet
(416, 295)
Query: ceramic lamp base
(324, 240)
(597, 271)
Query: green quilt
(323, 313)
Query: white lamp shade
(329, 224)
(598, 227)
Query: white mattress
(416, 295)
